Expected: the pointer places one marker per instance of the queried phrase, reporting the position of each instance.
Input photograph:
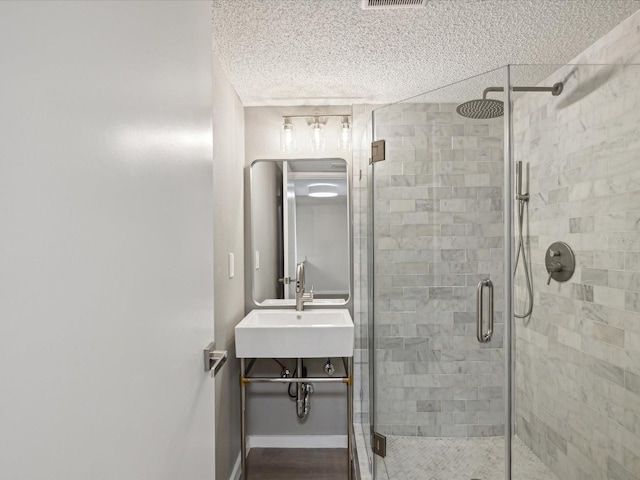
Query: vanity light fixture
(345, 133)
(323, 190)
(317, 132)
(287, 137)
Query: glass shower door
(438, 233)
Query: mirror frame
(279, 302)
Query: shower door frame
(508, 211)
(508, 249)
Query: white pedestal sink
(290, 334)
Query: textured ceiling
(326, 52)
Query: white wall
(269, 410)
(106, 258)
(228, 166)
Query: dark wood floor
(297, 464)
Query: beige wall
(228, 164)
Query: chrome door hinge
(379, 444)
(377, 151)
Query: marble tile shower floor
(420, 458)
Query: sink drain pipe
(245, 379)
(304, 391)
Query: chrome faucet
(301, 297)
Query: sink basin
(289, 334)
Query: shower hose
(522, 205)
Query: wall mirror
(300, 213)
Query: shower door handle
(480, 334)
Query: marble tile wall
(578, 356)
(438, 231)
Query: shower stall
(485, 350)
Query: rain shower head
(481, 109)
(487, 108)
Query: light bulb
(318, 142)
(287, 137)
(345, 134)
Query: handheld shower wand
(523, 201)
(519, 174)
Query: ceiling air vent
(379, 4)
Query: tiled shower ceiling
(324, 52)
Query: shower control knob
(560, 262)
(553, 268)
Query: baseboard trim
(296, 441)
(236, 472)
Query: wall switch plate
(257, 260)
(231, 266)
